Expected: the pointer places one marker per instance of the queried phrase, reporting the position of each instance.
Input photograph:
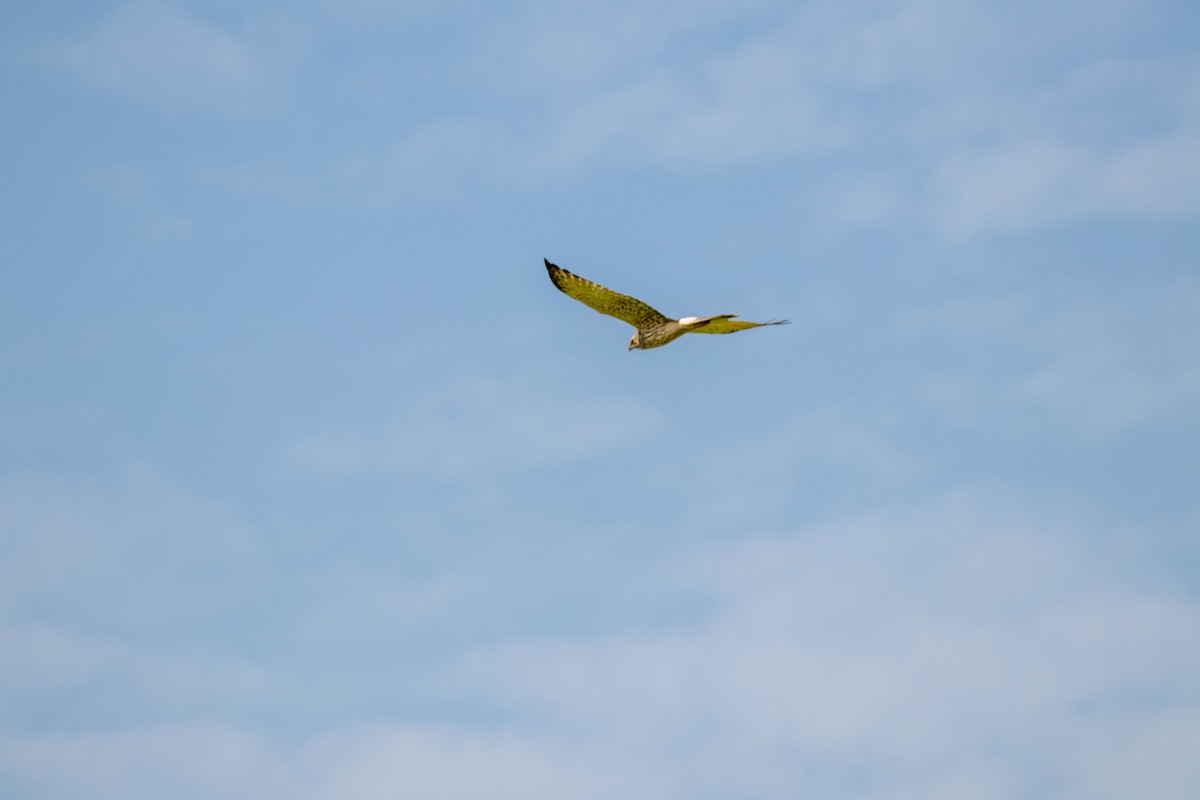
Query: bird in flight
(653, 329)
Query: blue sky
(313, 486)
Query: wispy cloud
(474, 428)
(963, 643)
(362, 762)
(1030, 183)
(161, 56)
(755, 477)
(965, 137)
(91, 554)
(445, 762)
(201, 760)
(961, 123)
(935, 646)
(1097, 367)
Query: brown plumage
(654, 329)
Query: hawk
(653, 329)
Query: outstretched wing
(606, 301)
(726, 323)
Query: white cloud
(944, 648)
(354, 763)
(1024, 137)
(965, 122)
(1027, 184)
(971, 121)
(1108, 371)
(1009, 189)
(976, 642)
(191, 760)
(159, 55)
(132, 554)
(447, 763)
(757, 102)
(474, 428)
(753, 478)
(1099, 368)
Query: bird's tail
(690, 323)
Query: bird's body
(654, 329)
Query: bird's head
(635, 340)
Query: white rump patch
(688, 320)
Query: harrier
(653, 329)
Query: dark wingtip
(555, 272)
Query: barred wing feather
(606, 301)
